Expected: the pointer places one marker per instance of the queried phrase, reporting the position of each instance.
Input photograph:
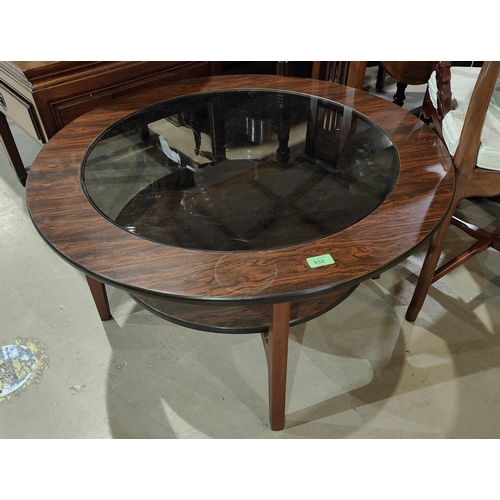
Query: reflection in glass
(240, 170)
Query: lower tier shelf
(238, 319)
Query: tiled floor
(359, 371)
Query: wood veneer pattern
(410, 214)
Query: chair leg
(381, 73)
(399, 96)
(429, 266)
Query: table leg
(100, 297)
(11, 150)
(276, 347)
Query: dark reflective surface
(240, 170)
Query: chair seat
(462, 83)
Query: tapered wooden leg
(276, 347)
(428, 268)
(11, 150)
(100, 297)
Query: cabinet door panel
(63, 100)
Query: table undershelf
(238, 319)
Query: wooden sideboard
(42, 97)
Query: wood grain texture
(350, 73)
(64, 90)
(238, 319)
(276, 347)
(409, 72)
(99, 248)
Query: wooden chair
(463, 105)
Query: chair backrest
(479, 105)
(350, 73)
(463, 112)
(443, 80)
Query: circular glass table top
(223, 189)
(233, 170)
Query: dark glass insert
(240, 170)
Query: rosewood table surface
(401, 192)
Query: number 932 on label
(320, 260)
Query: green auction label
(320, 260)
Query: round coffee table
(240, 204)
